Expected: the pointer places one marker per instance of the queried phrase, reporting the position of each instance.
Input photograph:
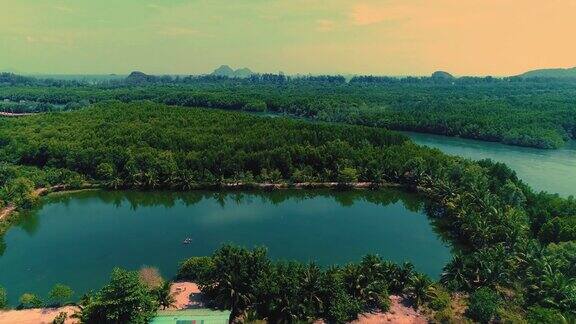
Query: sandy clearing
(186, 294)
(36, 316)
(399, 313)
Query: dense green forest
(517, 251)
(527, 112)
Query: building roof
(191, 316)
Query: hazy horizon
(396, 38)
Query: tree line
(516, 111)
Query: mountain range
(227, 71)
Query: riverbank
(9, 209)
(187, 295)
(9, 114)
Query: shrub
(61, 318)
(195, 268)
(541, 315)
(60, 294)
(105, 171)
(439, 298)
(125, 299)
(28, 300)
(483, 305)
(3, 298)
(151, 277)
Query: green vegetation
(249, 284)
(60, 295)
(29, 300)
(513, 242)
(517, 111)
(3, 298)
(483, 305)
(125, 299)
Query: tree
(348, 175)
(60, 294)
(196, 269)
(105, 171)
(28, 300)
(151, 277)
(483, 305)
(20, 192)
(164, 295)
(236, 272)
(125, 299)
(3, 298)
(419, 288)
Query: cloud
(324, 25)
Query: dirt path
(399, 313)
(36, 316)
(186, 294)
(9, 114)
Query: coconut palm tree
(418, 289)
(164, 295)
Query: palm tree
(164, 295)
(418, 289)
(311, 286)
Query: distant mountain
(227, 71)
(243, 73)
(442, 75)
(550, 73)
(139, 77)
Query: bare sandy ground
(399, 313)
(186, 294)
(36, 316)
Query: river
(549, 170)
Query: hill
(442, 75)
(550, 73)
(227, 71)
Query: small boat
(187, 241)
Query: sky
(379, 37)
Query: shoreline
(10, 209)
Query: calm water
(548, 170)
(76, 239)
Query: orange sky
(392, 37)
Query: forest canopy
(531, 112)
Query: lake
(77, 238)
(549, 170)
